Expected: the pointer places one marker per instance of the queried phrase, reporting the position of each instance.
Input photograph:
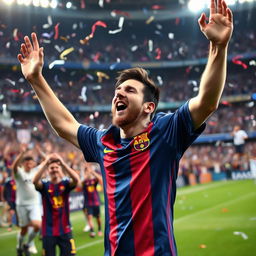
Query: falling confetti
(56, 62)
(150, 19)
(10, 81)
(15, 34)
(118, 12)
(150, 45)
(87, 38)
(56, 29)
(66, 52)
(101, 3)
(159, 53)
(101, 75)
(236, 61)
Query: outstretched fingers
(23, 50)
(20, 58)
(220, 9)
(35, 41)
(230, 15)
(28, 44)
(202, 21)
(212, 7)
(224, 8)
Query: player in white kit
(27, 201)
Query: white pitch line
(89, 244)
(200, 188)
(214, 207)
(8, 233)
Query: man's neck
(132, 130)
(55, 181)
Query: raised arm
(71, 172)
(17, 161)
(61, 120)
(218, 31)
(38, 176)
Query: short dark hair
(151, 91)
(27, 158)
(53, 160)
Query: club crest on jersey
(141, 142)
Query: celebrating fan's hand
(220, 26)
(31, 57)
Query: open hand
(220, 26)
(31, 57)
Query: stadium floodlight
(36, 3)
(27, 2)
(9, 2)
(54, 3)
(69, 5)
(196, 6)
(44, 3)
(20, 2)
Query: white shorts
(28, 213)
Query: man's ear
(149, 107)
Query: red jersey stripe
(141, 199)
(55, 216)
(109, 159)
(168, 213)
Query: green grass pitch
(216, 219)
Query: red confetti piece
(97, 23)
(226, 103)
(56, 29)
(25, 94)
(96, 57)
(157, 7)
(236, 61)
(118, 12)
(82, 4)
(15, 90)
(159, 53)
(177, 21)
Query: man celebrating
(139, 154)
(27, 200)
(56, 229)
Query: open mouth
(120, 106)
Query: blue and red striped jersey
(55, 199)
(91, 195)
(10, 190)
(139, 176)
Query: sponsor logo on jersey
(107, 150)
(141, 142)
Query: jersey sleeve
(87, 138)
(178, 130)
(66, 182)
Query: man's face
(127, 104)
(55, 170)
(28, 165)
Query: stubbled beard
(121, 122)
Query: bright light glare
(9, 2)
(44, 3)
(68, 5)
(195, 5)
(20, 2)
(54, 3)
(27, 2)
(36, 3)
